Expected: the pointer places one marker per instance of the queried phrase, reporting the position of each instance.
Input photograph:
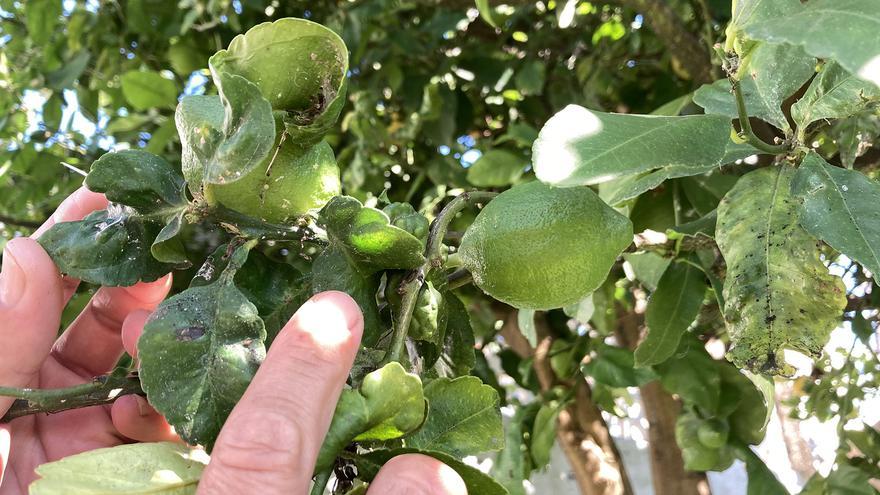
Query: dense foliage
(516, 147)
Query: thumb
(273, 435)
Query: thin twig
(28, 224)
(412, 283)
(100, 391)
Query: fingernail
(12, 276)
(331, 317)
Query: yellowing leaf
(139, 468)
(778, 293)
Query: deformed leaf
(463, 419)
(109, 247)
(834, 94)
(671, 310)
(841, 30)
(578, 146)
(224, 137)
(389, 404)
(778, 293)
(477, 482)
(139, 179)
(199, 351)
(774, 72)
(167, 247)
(139, 468)
(313, 57)
(367, 236)
(840, 208)
(458, 347)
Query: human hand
(272, 437)
(32, 296)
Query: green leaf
(139, 468)
(487, 13)
(458, 348)
(775, 72)
(544, 433)
(199, 351)
(692, 374)
(65, 76)
(849, 480)
(834, 94)
(334, 270)
(580, 147)
(167, 247)
(526, 321)
(41, 17)
(778, 293)
(615, 367)
(513, 465)
(841, 30)
(464, 418)
(761, 479)
(389, 404)
(314, 57)
(367, 236)
(148, 89)
(476, 481)
(581, 311)
(224, 137)
(404, 216)
(840, 208)
(109, 247)
(138, 179)
(496, 168)
(671, 310)
(648, 267)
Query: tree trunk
(581, 431)
(661, 410)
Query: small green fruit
(298, 181)
(540, 247)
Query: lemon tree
(523, 232)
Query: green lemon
(298, 181)
(540, 247)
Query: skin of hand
(270, 441)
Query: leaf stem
(101, 390)
(412, 283)
(458, 278)
(746, 126)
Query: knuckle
(267, 441)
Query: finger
(134, 418)
(31, 300)
(272, 437)
(93, 342)
(74, 207)
(417, 474)
(5, 442)
(132, 328)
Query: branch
(692, 55)
(28, 224)
(412, 283)
(641, 242)
(100, 391)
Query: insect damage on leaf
(779, 295)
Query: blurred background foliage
(443, 96)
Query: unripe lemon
(298, 181)
(540, 247)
